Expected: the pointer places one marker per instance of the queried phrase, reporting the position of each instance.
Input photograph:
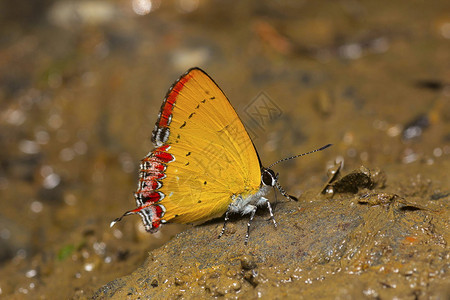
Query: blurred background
(81, 84)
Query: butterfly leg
(271, 214)
(227, 217)
(252, 215)
(270, 207)
(265, 201)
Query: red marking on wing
(171, 98)
(152, 172)
(153, 183)
(151, 216)
(158, 213)
(158, 210)
(150, 176)
(155, 166)
(164, 156)
(150, 197)
(155, 225)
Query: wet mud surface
(81, 84)
(381, 250)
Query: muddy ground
(81, 83)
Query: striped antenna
(295, 156)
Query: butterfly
(204, 164)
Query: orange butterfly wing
(203, 156)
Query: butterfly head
(268, 177)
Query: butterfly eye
(268, 177)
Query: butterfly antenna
(130, 212)
(295, 156)
(277, 184)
